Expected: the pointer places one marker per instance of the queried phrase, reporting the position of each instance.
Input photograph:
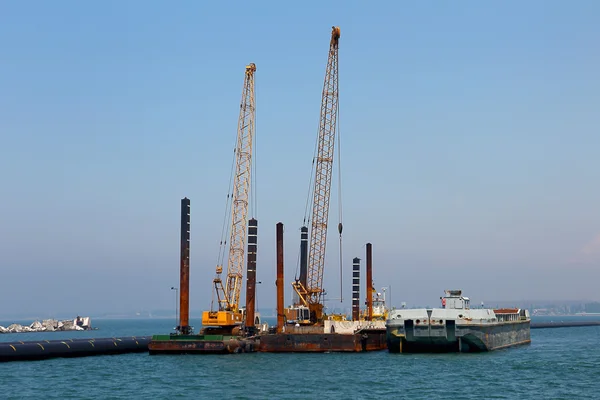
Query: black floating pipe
(355, 288)
(44, 349)
(303, 255)
(251, 274)
(563, 324)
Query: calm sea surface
(559, 364)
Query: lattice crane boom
(229, 294)
(322, 183)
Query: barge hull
(322, 342)
(467, 338)
(200, 344)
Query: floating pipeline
(45, 349)
(561, 324)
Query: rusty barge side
(366, 340)
(200, 344)
(322, 342)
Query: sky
(469, 136)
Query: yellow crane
(310, 294)
(229, 315)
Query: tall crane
(229, 314)
(310, 293)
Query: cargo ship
(456, 327)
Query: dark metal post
(355, 288)
(279, 282)
(303, 255)
(184, 276)
(251, 273)
(369, 282)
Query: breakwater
(50, 325)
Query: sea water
(560, 363)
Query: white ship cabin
(454, 300)
(258, 323)
(379, 311)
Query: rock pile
(50, 325)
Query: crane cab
(221, 318)
(297, 315)
(257, 318)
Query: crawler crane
(228, 318)
(309, 287)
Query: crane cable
(227, 216)
(309, 197)
(253, 187)
(340, 214)
(225, 229)
(311, 181)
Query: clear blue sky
(470, 139)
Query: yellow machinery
(311, 295)
(380, 309)
(229, 315)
